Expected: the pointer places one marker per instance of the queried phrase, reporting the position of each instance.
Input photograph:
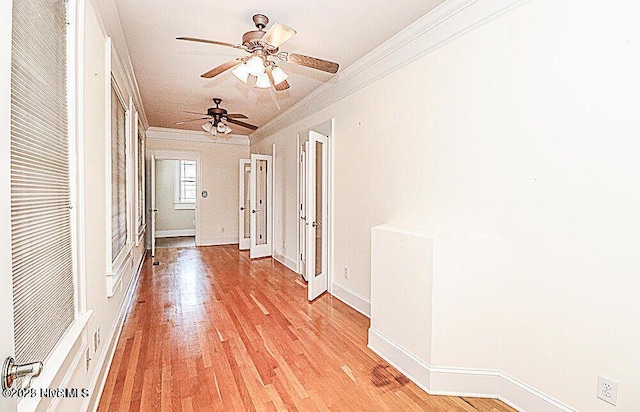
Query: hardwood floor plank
(211, 329)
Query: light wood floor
(211, 330)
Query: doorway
(313, 208)
(174, 198)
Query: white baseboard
(351, 298)
(288, 262)
(175, 233)
(217, 241)
(472, 382)
(99, 378)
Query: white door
(244, 221)
(302, 208)
(260, 191)
(316, 216)
(6, 278)
(153, 210)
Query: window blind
(42, 261)
(118, 175)
(140, 182)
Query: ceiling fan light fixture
(207, 127)
(255, 65)
(279, 75)
(221, 127)
(263, 81)
(241, 72)
(227, 129)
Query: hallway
(211, 330)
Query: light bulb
(221, 127)
(255, 66)
(279, 75)
(263, 81)
(241, 72)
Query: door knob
(11, 371)
(315, 224)
(255, 211)
(242, 208)
(303, 217)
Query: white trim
(104, 362)
(472, 382)
(444, 23)
(175, 233)
(218, 241)
(162, 133)
(287, 261)
(122, 264)
(351, 298)
(56, 360)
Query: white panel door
(261, 193)
(244, 221)
(316, 216)
(153, 209)
(302, 208)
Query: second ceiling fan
(261, 45)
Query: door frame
(163, 154)
(326, 128)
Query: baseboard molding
(288, 262)
(473, 382)
(218, 241)
(104, 362)
(351, 298)
(175, 233)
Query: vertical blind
(42, 262)
(118, 176)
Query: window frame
(178, 202)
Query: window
(118, 175)
(41, 234)
(185, 185)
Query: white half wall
(520, 137)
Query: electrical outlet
(96, 339)
(607, 390)
(87, 359)
(346, 273)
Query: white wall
(219, 212)
(518, 140)
(168, 218)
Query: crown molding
(162, 133)
(446, 22)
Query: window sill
(184, 206)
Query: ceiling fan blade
(236, 116)
(243, 124)
(199, 114)
(193, 120)
(278, 34)
(219, 43)
(308, 61)
(220, 69)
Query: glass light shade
(207, 127)
(255, 66)
(227, 130)
(279, 75)
(221, 127)
(241, 72)
(263, 81)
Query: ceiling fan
(217, 119)
(261, 45)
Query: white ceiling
(168, 71)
